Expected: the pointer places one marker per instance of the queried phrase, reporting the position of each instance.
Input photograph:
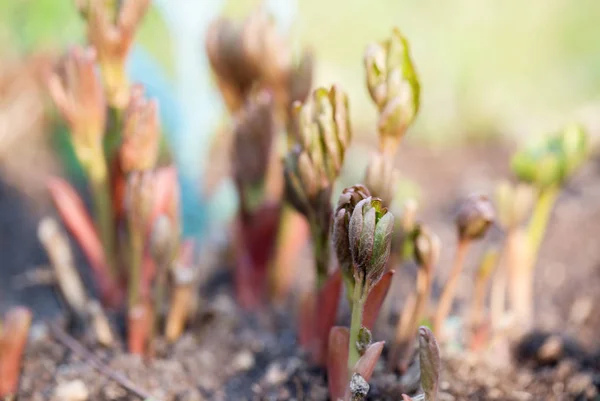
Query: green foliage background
(487, 67)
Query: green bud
(429, 358)
(370, 230)
(426, 246)
(312, 166)
(394, 87)
(349, 198)
(364, 340)
(382, 178)
(553, 160)
(475, 215)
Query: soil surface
(229, 354)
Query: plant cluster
(132, 239)
(141, 264)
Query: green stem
(101, 193)
(359, 298)
(539, 219)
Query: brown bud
(141, 133)
(253, 137)
(163, 241)
(475, 215)
(349, 198)
(382, 178)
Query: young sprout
(426, 247)
(546, 166)
(369, 233)
(111, 28)
(394, 87)
(14, 332)
(430, 366)
(314, 164)
(513, 203)
(139, 202)
(79, 96)
(141, 133)
(478, 321)
(475, 216)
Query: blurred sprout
(370, 235)
(253, 53)
(139, 200)
(474, 217)
(163, 241)
(141, 133)
(513, 203)
(314, 163)
(111, 30)
(348, 200)
(382, 178)
(426, 246)
(394, 87)
(430, 363)
(79, 96)
(552, 161)
(252, 142)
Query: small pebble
(579, 383)
(358, 387)
(275, 374)
(74, 390)
(243, 361)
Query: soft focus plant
(119, 155)
(546, 166)
(475, 215)
(430, 366)
(426, 246)
(259, 80)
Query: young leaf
(375, 299)
(337, 362)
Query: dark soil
(230, 354)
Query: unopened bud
(370, 234)
(429, 358)
(426, 246)
(394, 87)
(475, 215)
(364, 340)
(141, 133)
(139, 199)
(253, 136)
(349, 198)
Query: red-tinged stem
(138, 325)
(78, 222)
(13, 340)
(445, 303)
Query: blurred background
(505, 70)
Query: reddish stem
(12, 344)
